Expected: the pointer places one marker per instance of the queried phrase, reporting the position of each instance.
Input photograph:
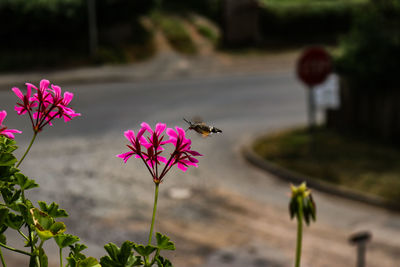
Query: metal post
(311, 110)
(93, 43)
(311, 120)
(360, 239)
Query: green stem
(38, 261)
(2, 259)
(23, 235)
(41, 244)
(29, 148)
(61, 258)
(299, 230)
(154, 212)
(15, 250)
(38, 264)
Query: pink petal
(9, 133)
(3, 114)
(18, 93)
(182, 167)
(193, 160)
(56, 90)
(130, 135)
(171, 133)
(162, 159)
(147, 127)
(29, 86)
(67, 98)
(20, 110)
(160, 127)
(44, 85)
(126, 156)
(180, 131)
(194, 153)
(140, 133)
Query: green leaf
(125, 252)
(161, 262)
(9, 196)
(24, 182)
(65, 240)
(45, 225)
(7, 145)
(24, 210)
(14, 221)
(77, 248)
(7, 159)
(75, 255)
(88, 262)
(7, 174)
(3, 239)
(313, 208)
(112, 251)
(144, 250)
(120, 257)
(71, 262)
(3, 215)
(292, 208)
(163, 242)
(52, 209)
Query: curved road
(224, 213)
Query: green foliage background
(370, 53)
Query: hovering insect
(202, 128)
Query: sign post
(313, 67)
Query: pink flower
(183, 155)
(27, 102)
(45, 105)
(3, 129)
(153, 146)
(136, 142)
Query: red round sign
(313, 66)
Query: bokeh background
(233, 64)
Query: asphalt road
(224, 213)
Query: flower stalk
(154, 212)
(2, 259)
(301, 206)
(299, 231)
(28, 149)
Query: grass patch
(350, 161)
(175, 32)
(208, 33)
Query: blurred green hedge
(370, 54)
(43, 30)
(305, 21)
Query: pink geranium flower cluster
(3, 129)
(45, 105)
(150, 147)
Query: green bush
(370, 53)
(45, 33)
(306, 20)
